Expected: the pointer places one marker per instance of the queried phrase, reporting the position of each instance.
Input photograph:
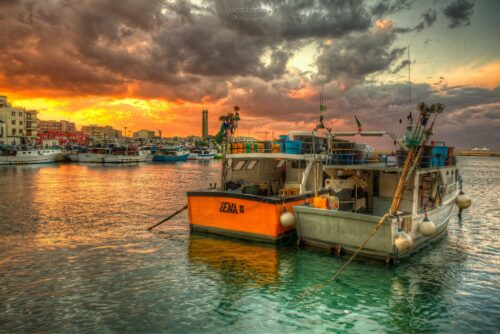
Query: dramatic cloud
(159, 62)
(459, 13)
(355, 56)
(385, 7)
(123, 47)
(429, 18)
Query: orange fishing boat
(260, 184)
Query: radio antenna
(409, 76)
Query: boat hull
(241, 216)
(196, 156)
(33, 157)
(91, 157)
(346, 231)
(170, 158)
(73, 157)
(119, 158)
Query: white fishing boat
(407, 203)
(73, 156)
(128, 155)
(202, 154)
(29, 156)
(94, 155)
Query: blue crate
(341, 159)
(283, 137)
(293, 146)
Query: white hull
(195, 156)
(91, 157)
(346, 231)
(120, 158)
(30, 157)
(73, 157)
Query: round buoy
(287, 219)
(426, 227)
(403, 241)
(463, 201)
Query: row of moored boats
(124, 154)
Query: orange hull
(240, 215)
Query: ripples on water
(75, 256)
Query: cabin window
(239, 165)
(447, 173)
(298, 164)
(280, 163)
(251, 164)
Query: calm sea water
(75, 256)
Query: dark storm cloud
(354, 57)
(459, 13)
(151, 43)
(429, 18)
(386, 7)
(292, 20)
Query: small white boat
(130, 155)
(29, 156)
(202, 154)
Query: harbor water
(76, 257)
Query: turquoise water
(75, 256)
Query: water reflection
(75, 256)
(236, 262)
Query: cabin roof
(381, 167)
(279, 156)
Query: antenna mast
(409, 76)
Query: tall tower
(204, 125)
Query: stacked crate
(342, 153)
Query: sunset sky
(157, 64)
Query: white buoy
(426, 227)
(287, 219)
(463, 201)
(403, 241)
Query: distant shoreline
(464, 153)
(471, 153)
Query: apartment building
(101, 133)
(13, 119)
(62, 126)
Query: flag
(322, 108)
(360, 127)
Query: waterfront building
(31, 123)
(64, 126)
(101, 133)
(144, 134)
(3, 133)
(13, 120)
(62, 138)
